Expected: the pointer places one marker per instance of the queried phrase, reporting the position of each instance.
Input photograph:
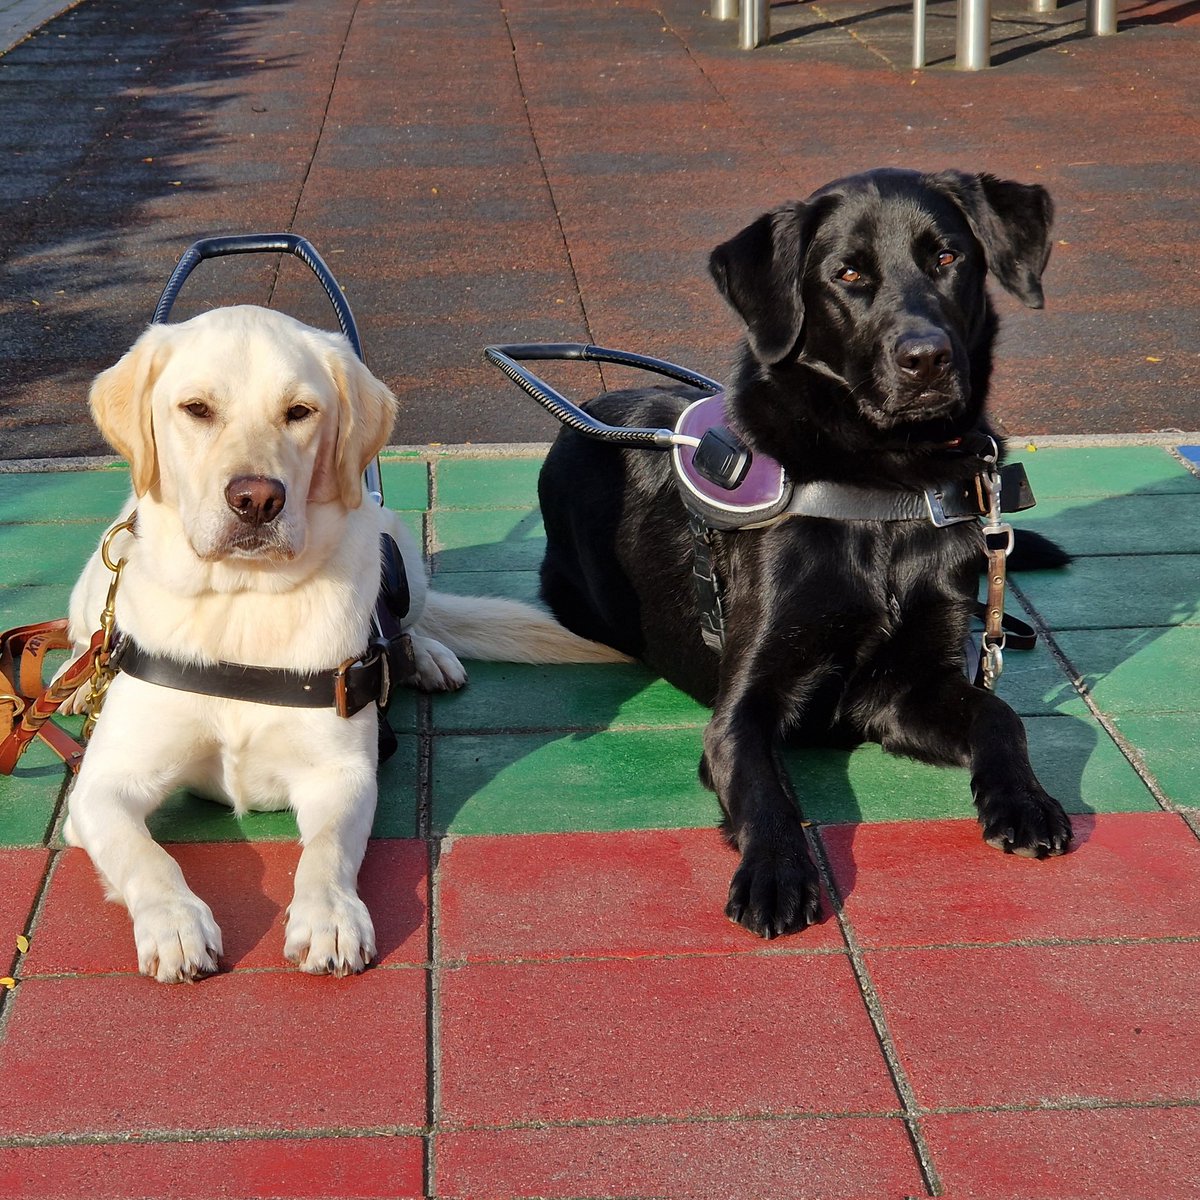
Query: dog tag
(721, 459)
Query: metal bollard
(754, 25)
(918, 58)
(1101, 17)
(724, 10)
(974, 35)
(1043, 6)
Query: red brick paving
(22, 872)
(656, 892)
(248, 1051)
(844, 1159)
(248, 885)
(1031, 1025)
(737, 1035)
(1098, 1154)
(920, 884)
(600, 1028)
(300, 1169)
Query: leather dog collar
(347, 689)
(765, 494)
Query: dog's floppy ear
(759, 272)
(120, 403)
(366, 413)
(1012, 221)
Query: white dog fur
(246, 392)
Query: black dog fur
(868, 351)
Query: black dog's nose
(924, 356)
(256, 499)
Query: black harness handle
(509, 358)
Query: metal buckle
(937, 511)
(341, 699)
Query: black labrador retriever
(868, 351)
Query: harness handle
(271, 243)
(508, 359)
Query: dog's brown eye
(848, 275)
(198, 409)
(298, 412)
(947, 258)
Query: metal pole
(1101, 17)
(754, 25)
(1043, 6)
(974, 35)
(724, 10)
(918, 59)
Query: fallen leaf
(22, 943)
(8, 982)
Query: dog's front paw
(437, 666)
(177, 939)
(329, 935)
(774, 893)
(1029, 823)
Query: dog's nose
(256, 499)
(924, 356)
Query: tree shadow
(102, 123)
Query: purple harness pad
(761, 490)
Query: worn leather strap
(348, 688)
(27, 706)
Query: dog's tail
(496, 630)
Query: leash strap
(26, 705)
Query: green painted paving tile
(503, 696)
(487, 482)
(29, 796)
(1138, 670)
(188, 818)
(1034, 684)
(1168, 524)
(39, 554)
(40, 602)
(543, 783)
(1169, 745)
(1112, 592)
(405, 483)
(1074, 758)
(54, 496)
(510, 585)
(490, 540)
(1103, 471)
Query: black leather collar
(347, 688)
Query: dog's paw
(329, 935)
(1030, 823)
(177, 939)
(437, 666)
(774, 893)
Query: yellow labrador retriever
(247, 435)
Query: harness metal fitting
(993, 663)
(103, 672)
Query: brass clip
(102, 672)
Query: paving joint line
(875, 1014)
(312, 158)
(537, 150)
(1085, 694)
